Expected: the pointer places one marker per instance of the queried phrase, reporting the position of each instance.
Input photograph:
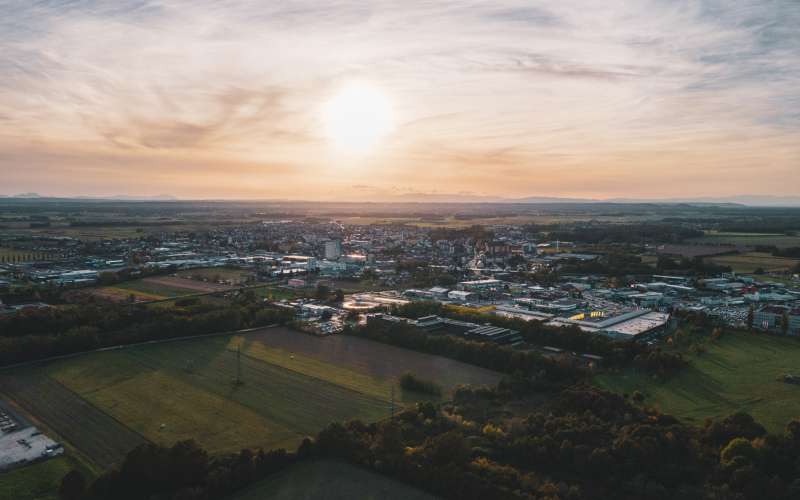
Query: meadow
(155, 288)
(747, 239)
(331, 480)
(106, 403)
(750, 261)
(739, 372)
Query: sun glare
(357, 118)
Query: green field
(106, 403)
(236, 276)
(332, 481)
(738, 373)
(40, 481)
(35, 482)
(153, 289)
(750, 261)
(747, 239)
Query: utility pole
(392, 400)
(239, 364)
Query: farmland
(331, 480)
(292, 386)
(747, 239)
(155, 288)
(750, 261)
(738, 373)
(100, 437)
(35, 482)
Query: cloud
(525, 89)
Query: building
(460, 295)
(480, 285)
(437, 324)
(633, 325)
(333, 249)
(772, 318)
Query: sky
(231, 99)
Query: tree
(339, 295)
(737, 448)
(73, 486)
(323, 291)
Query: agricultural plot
(180, 286)
(215, 274)
(155, 288)
(739, 372)
(380, 361)
(747, 239)
(750, 261)
(333, 481)
(98, 435)
(35, 482)
(106, 403)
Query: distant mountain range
(120, 197)
(747, 200)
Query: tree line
(41, 333)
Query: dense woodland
(573, 443)
(40, 333)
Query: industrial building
(472, 331)
(633, 325)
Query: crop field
(106, 403)
(750, 261)
(738, 373)
(35, 482)
(155, 288)
(101, 438)
(214, 274)
(381, 361)
(331, 480)
(748, 239)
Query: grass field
(235, 276)
(293, 385)
(750, 261)
(747, 239)
(101, 438)
(154, 288)
(35, 482)
(738, 373)
(332, 481)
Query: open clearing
(294, 384)
(738, 373)
(35, 482)
(750, 261)
(155, 288)
(330, 480)
(381, 361)
(748, 239)
(180, 284)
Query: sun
(357, 117)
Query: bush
(409, 382)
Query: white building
(333, 249)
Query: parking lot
(21, 443)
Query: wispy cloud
(504, 97)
